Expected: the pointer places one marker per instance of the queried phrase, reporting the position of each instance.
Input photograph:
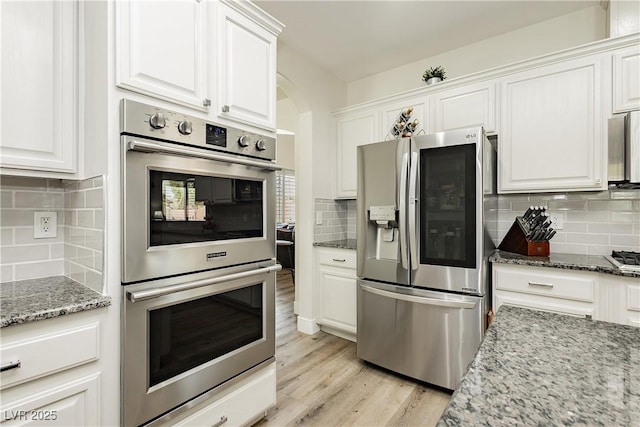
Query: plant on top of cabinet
(434, 75)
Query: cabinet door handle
(10, 365)
(339, 260)
(542, 285)
(225, 108)
(206, 102)
(223, 419)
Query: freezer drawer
(430, 336)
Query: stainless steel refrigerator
(422, 246)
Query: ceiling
(355, 39)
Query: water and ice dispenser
(385, 221)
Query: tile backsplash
(595, 223)
(338, 220)
(84, 231)
(76, 251)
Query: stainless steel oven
(183, 338)
(198, 267)
(196, 196)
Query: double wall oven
(198, 266)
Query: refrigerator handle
(413, 200)
(419, 299)
(402, 218)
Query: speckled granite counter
(537, 368)
(38, 299)
(341, 244)
(564, 261)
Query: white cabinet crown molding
(599, 46)
(259, 16)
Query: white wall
(574, 29)
(286, 119)
(315, 93)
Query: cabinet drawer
(48, 354)
(553, 283)
(337, 258)
(241, 406)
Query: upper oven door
(187, 210)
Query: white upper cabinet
(39, 74)
(553, 134)
(391, 111)
(626, 80)
(465, 106)
(246, 67)
(160, 50)
(353, 129)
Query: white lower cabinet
(336, 283)
(622, 299)
(547, 289)
(53, 376)
(602, 296)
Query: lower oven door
(182, 338)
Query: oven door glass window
(189, 334)
(188, 208)
(448, 206)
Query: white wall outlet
(557, 220)
(318, 218)
(45, 225)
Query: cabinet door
(38, 110)
(160, 49)
(353, 130)
(391, 112)
(466, 106)
(246, 70)
(337, 306)
(626, 80)
(553, 128)
(71, 404)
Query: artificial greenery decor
(434, 72)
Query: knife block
(516, 241)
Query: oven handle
(156, 147)
(158, 292)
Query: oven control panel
(158, 123)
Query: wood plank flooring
(321, 382)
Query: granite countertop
(538, 368)
(565, 261)
(38, 299)
(342, 244)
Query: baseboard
(307, 326)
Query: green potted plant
(434, 75)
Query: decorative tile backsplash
(338, 220)
(22, 256)
(76, 251)
(84, 231)
(595, 223)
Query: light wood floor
(321, 382)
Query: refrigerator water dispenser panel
(384, 218)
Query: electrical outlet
(318, 218)
(557, 220)
(45, 225)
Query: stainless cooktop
(625, 260)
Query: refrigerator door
(427, 335)
(446, 215)
(381, 211)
